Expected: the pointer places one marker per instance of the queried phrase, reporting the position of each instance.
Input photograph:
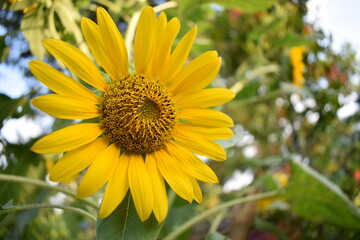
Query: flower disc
(138, 113)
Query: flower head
(298, 67)
(150, 123)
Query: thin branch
(216, 222)
(201, 217)
(164, 6)
(39, 205)
(43, 184)
(260, 98)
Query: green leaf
(315, 198)
(13, 108)
(70, 18)
(33, 27)
(180, 212)
(21, 5)
(4, 50)
(245, 5)
(216, 236)
(124, 223)
(249, 90)
(291, 40)
(273, 26)
(8, 205)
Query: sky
(341, 18)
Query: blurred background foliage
(292, 130)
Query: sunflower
(149, 124)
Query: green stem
(216, 222)
(164, 6)
(112, 6)
(39, 205)
(130, 32)
(43, 184)
(223, 213)
(260, 98)
(171, 197)
(201, 217)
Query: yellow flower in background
(298, 66)
(150, 123)
(281, 179)
(356, 200)
(31, 8)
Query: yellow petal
(94, 41)
(66, 107)
(143, 45)
(161, 22)
(113, 42)
(99, 171)
(178, 180)
(116, 188)
(59, 82)
(178, 57)
(191, 163)
(205, 98)
(197, 190)
(210, 133)
(199, 145)
(140, 186)
(68, 138)
(76, 61)
(77, 160)
(197, 74)
(160, 198)
(163, 47)
(206, 118)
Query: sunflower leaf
(124, 223)
(315, 198)
(4, 50)
(13, 107)
(33, 25)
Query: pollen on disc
(138, 113)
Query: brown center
(138, 113)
